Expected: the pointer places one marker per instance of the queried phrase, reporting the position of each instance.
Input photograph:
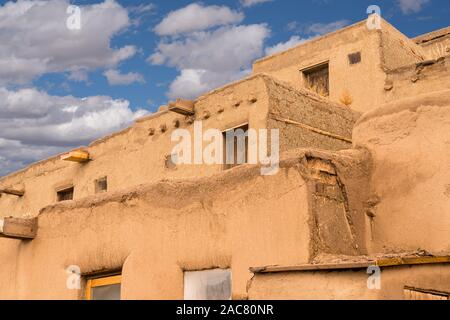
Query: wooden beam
(18, 193)
(17, 228)
(182, 106)
(79, 156)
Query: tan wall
(335, 48)
(417, 79)
(156, 232)
(133, 157)
(349, 284)
(410, 145)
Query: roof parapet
(15, 228)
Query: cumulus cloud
(283, 46)
(196, 17)
(412, 6)
(115, 78)
(251, 3)
(35, 125)
(209, 57)
(35, 40)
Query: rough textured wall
(138, 154)
(344, 78)
(348, 284)
(416, 79)
(154, 232)
(410, 186)
(397, 50)
(298, 112)
(435, 44)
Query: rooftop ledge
(381, 262)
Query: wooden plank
(19, 228)
(182, 106)
(79, 156)
(18, 193)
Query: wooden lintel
(79, 156)
(181, 106)
(17, 228)
(18, 193)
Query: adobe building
(359, 208)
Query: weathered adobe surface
(409, 141)
(418, 78)
(144, 147)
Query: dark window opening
(235, 142)
(101, 185)
(65, 195)
(317, 79)
(354, 58)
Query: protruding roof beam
(182, 106)
(18, 193)
(16, 228)
(79, 156)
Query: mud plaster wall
(397, 50)
(418, 79)
(135, 156)
(157, 231)
(410, 145)
(435, 44)
(312, 110)
(349, 284)
(335, 48)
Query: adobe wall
(297, 113)
(348, 284)
(136, 156)
(435, 44)
(157, 231)
(417, 79)
(363, 81)
(409, 142)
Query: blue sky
(277, 14)
(62, 88)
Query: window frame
(226, 166)
(65, 189)
(101, 281)
(316, 67)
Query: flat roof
(345, 265)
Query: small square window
(317, 79)
(354, 58)
(207, 285)
(65, 194)
(104, 288)
(101, 185)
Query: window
(104, 288)
(317, 79)
(207, 285)
(235, 142)
(420, 294)
(101, 185)
(354, 58)
(65, 194)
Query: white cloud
(412, 6)
(323, 28)
(195, 17)
(209, 59)
(35, 125)
(283, 46)
(250, 3)
(116, 78)
(35, 40)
